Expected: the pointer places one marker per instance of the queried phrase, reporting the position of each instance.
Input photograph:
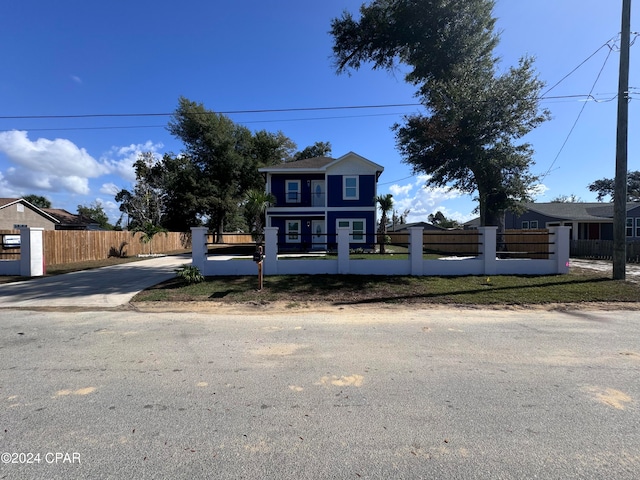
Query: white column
(271, 250)
(561, 248)
(415, 250)
(199, 250)
(31, 252)
(487, 248)
(343, 250)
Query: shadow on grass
(475, 291)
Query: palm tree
(255, 207)
(385, 202)
(148, 230)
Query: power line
(229, 112)
(579, 116)
(257, 111)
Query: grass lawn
(355, 289)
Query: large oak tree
(474, 116)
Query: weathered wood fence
(602, 250)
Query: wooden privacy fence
(69, 246)
(602, 250)
(528, 243)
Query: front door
(317, 193)
(318, 238)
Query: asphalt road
(105, 287)
(341, 393)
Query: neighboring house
(588, 221)
(315, 196)
(70, 221)
(17, 212)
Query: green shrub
(189, 274)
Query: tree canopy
(207, 182)
(475, 116)
(606, 187)
(38, 200)
(95, 211)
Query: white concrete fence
(31, 261)
(485, 263)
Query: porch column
(31, 252)
(415, 250)
(343, 250)
(271, 250)
(199, 248)
(487, 249)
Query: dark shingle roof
(67, 218)
(577, 211)
(307, 163)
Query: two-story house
(315, 196)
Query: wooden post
(258, 257)
(620, 182)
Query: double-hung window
(525, 225)
(629, 228)
(350, 190)
(293, 191)
(638, 227)
(293, 231)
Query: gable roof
(69, 219)
(6, 202)
(596, 212)
(576, 211)
(316, 165)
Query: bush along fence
(487, 261)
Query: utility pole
(620, 187)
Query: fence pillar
(416, 240)
(561, 248)
(343, 250)
(487, 249)
(31, 252)
(271, 250)
(199, 249)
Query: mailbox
(258, 257)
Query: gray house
(588, 221)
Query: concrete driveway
(105, 287)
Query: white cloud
(538, 190)
(422, 201)
(53, 165)
(397, 190)
(76, 79)
(7, 190)
(120, 160)
(110, 189)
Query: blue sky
(126, 57)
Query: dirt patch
(319, 307)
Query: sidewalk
(105, 287)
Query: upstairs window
(638, 227)
(525, 225)
(629, 228)
(533, 224)
(293, 191)
(350, 188)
